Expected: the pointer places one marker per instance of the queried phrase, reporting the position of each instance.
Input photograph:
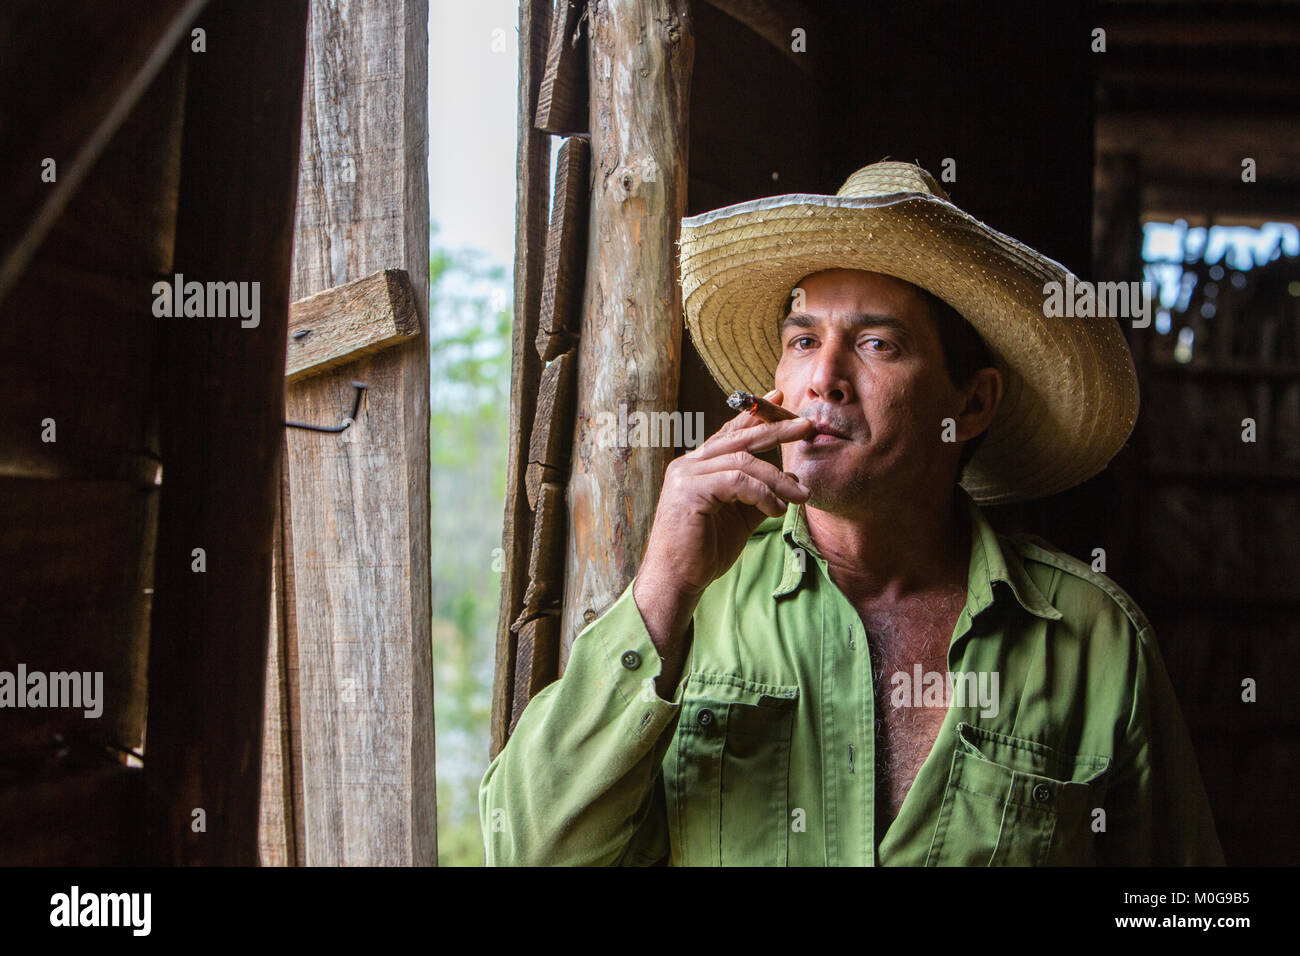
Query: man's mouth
(826, 433)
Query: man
(852, 667)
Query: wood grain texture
(549, 446)
(280, 830)
(536, 661)
(532, 163)
(68, 115)
(546, 562)
(562, 100)
(359, 500)
(340, 325)
(566, 251)
(630, 347)
(220, 401)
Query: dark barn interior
(128, 442)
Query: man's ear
(980, 399)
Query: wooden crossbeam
(339, 325)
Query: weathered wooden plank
(533, 162)
(280, 829)
(546, 562)
(630, 347)
(340, 325)
(566, 251)
(562, 100)
(359, 500)
(535, 660)
(220, 401)
(548, 448)
(69, 115)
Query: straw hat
(1070, 390)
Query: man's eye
(800, 338)
(877, 345)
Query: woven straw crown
(1070, 389)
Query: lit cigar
(759, 407)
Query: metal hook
(347, 422)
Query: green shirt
(765, 755)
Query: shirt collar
(990, 561)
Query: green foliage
(470, 319)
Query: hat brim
(1070, 388)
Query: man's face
(862, 357)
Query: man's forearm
(667, 615)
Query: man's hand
(712, 500)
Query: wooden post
(220, 412)
(630, 347)
(359, 500)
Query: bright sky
(473, 93)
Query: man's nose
(829, 380)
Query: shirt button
(631, 660)
(1041, 793)
(705, 718)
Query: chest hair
(897, 641)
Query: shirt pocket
(1017, 802)
(726, 774)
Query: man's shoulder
(1072, 585)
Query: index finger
(759, 437)
(749, 432)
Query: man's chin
(833, 491)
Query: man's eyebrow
(874, 320)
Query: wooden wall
(168, 159)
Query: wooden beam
(1192, 31)
(342, 324)
(359, 500)
(69, 115)
(533, 162)
(630, 349)
(221, 389)
(775, 21)
(282, 829)
(548, 449)
(562, 100)
(546, 563)
(1190, 145)
(566, 250)
(536, 660)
